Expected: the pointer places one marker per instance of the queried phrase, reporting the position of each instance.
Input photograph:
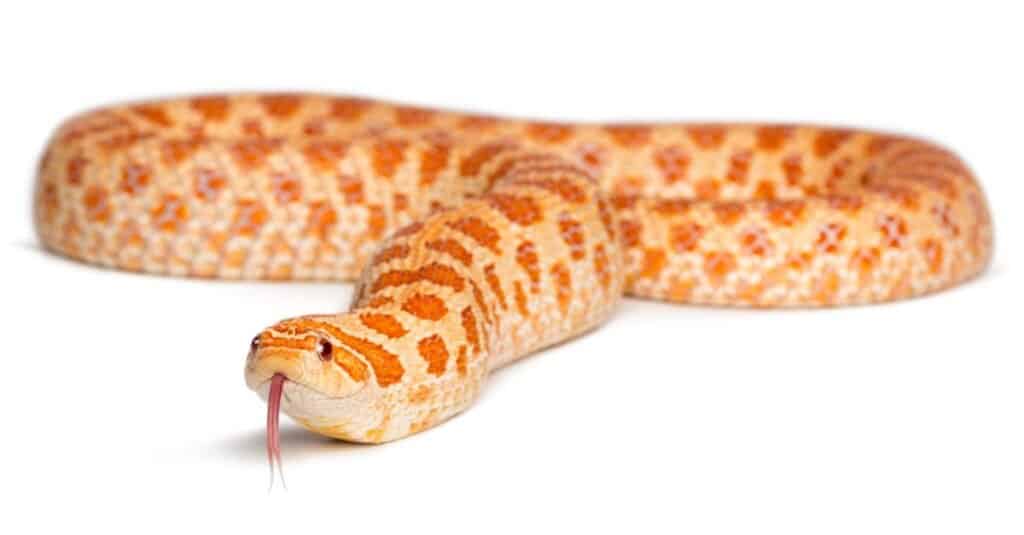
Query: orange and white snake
(479, 240)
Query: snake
(476, 240)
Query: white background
(122, 396)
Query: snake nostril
(254, 345)
(325, 349)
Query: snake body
(478, 240)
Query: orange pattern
(479, 240)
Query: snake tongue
(273, 426)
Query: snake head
(307, 353)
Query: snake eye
(325, 349)
(254, 345)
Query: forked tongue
(273, 427)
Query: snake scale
(477, 240)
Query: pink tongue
(273, 434)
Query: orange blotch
(799, 261)
(606, 217)
(249, 217)
(685, 237)
(522, 303)
(765, 190)
(793, 169)
(420, 394)
(460, 361)
(212, 108)
(175, 151)
(520, 210)
(452, 248)
(97, 204)
(835, 177)
(351, 188)
(739, 166)
(355, 368)
(75, 169)
(314, 127)
(653, 263)
(828, 141)
(478, 231)
(893, 229)
(495, 285)
(784, 212)
(771, 138)
(134, 178)
(572, 234)
(285, 187)
(384, 324)
(472, 163)
(433, 160)
(563, 286)
(565, 188)
(673, 162)
(269, 339)
(410, 116)
(526, 257)
(477, 123)
(826, 287)
(251, 154)
(674, 206)
(754, 241)
(717, 265)
(549, 133)
(425, 306)
(933, 255)
(409, 230)
(907, 197)
(400, 201)
(439, 274)
(728, 213)
(253, 127)
(376, 221)
(830, 237)
(680, 288)
(348, 109)
(49, 202)
(281, 106)
(629, 135)
(707, 137)
(433, 350)
(707, 189)
(592, 156)
(169, 214)
(154, 113)
(469, 326)
(946, 219)
(601, 267)
(387, 156)
(391, 253)
(478, 297)
(322, 218)
(630, 231)
(845, 203)
(624, 202)
(323, 155)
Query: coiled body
(479, 240)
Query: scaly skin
(479, 240)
